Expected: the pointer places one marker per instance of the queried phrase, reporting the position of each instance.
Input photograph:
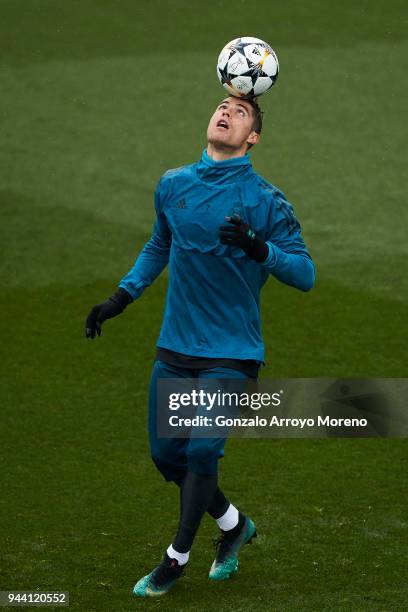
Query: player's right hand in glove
(113, 306)
(239, 234)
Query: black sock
(196, 493)
(219, 504)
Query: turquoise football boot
(160, 580)
(226, 561)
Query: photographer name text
(256, 421)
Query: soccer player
(222, 229)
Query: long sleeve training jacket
(212, 303)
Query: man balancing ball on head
(222, 229)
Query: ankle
(181, 558)
(238, 527)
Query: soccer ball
(247, 67)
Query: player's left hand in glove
(239, 234)
(113, 306)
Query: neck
(221, 154)
(224, 171)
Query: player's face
(230, 126)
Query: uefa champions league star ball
(247, 67)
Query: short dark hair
(257, 115)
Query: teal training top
(212, 303)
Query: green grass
(86, 133)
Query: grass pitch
(98, 99)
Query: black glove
(111, 308)
(239, 234)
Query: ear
(253, 138)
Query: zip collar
(225, 171)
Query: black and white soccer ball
(247, 67)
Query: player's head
(235, 126)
